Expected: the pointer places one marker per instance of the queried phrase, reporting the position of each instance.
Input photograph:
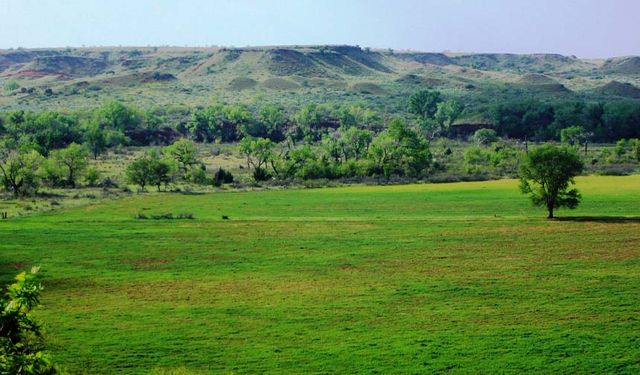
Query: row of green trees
(112, 125)
(24, 170)
(231, 123)
(400, 150)
(115, 124)
(491, 151)
(594, 121)
(178, 162)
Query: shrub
(222, 177)
(617, 170)
(484, 137)
(352, 168)
(261, 174)
(108, 183)
(506, 159)
(634, 145)
(476, 159)
(164, 216)
(52, 174)
(11, 86)
(92, 176)
(21, 344)
(198, 175)
(185, 216)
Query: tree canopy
(546, 175)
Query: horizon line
(293, 46)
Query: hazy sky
(586, 28)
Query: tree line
(399, 150)
(590, 121)
(116, 124)
(318, 141)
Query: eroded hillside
(85, 77)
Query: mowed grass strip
(461, 277)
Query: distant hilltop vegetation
(152, 76)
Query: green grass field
(464, 277)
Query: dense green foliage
(315, 141)
(20, 171)
(72, 160)
(21, 346)
(149, 170)
(435, 115)
(540, 121)
(426, 278)
(462, 277)
(115, 124)
(485, 136)
(24, 170)
(547, 173)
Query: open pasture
(463, 277)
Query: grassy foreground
(463, 277)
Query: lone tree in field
(547, 173)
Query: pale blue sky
(586, 28)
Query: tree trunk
(16, 186)
(550, 209)
(273, 166)
(71, 179)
